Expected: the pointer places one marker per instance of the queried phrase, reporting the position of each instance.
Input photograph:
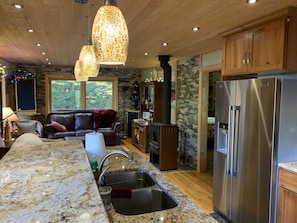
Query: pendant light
(88, 63)
(110, 35)
(77, 73)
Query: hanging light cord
(89, 25)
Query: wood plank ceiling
(62, 27)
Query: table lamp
(8, 116)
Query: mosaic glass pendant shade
(77, 74)
(110, 36)
(88, 63)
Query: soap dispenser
(94, 166)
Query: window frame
(51, 77)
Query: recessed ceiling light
(49, 63)
(195, 29)
(145, 53)
(251, 1)
(38, 44)
(30, 30)
(46, 59)
(43, 53)
(17, 6)
(165, 44)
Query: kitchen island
(53, 182)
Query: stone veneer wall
(187, 109)
(125, 78)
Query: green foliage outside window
(65, 95)
(68, 94)
(98, 94)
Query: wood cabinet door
(266, 47)
(287, 206)
(287, 197)
(235, 53)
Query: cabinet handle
(243, 60)
(249, 55)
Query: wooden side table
(140, 136)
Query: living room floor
(197, 186)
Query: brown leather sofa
(80, 122)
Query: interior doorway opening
(206, 113)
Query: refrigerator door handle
(233, 121)
(230, 139)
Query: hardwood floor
(197, 186)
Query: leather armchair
(27, 126)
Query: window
(25, 91)
(98, 94)
(65, 93)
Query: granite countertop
(53, 182)
(291, 166)
(49, 182)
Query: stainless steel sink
(144, 201)
(146, 194)
(129, 179)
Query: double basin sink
(146, 194)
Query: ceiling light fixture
(17, 6)
(195, 29)
(165, 44)
(30, 30)
(88, 63)
(251, 1)
(77, 74)
(110, 35)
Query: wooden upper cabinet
(235, 49)
(270, 46)
(267, 47)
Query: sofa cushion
(59, 127)
(58, 135)
(83, 121)
(83, 132)
(104, 118)
(65, 119)
(26, 127)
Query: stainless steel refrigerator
(254, 122)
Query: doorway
(213, 78)
(206, 109)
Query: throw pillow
(64, 119)
(104, 118)
(59, 127)
(83, 121)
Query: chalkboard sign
(26, 95)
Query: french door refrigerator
(252, 117)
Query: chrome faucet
(100, 166)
